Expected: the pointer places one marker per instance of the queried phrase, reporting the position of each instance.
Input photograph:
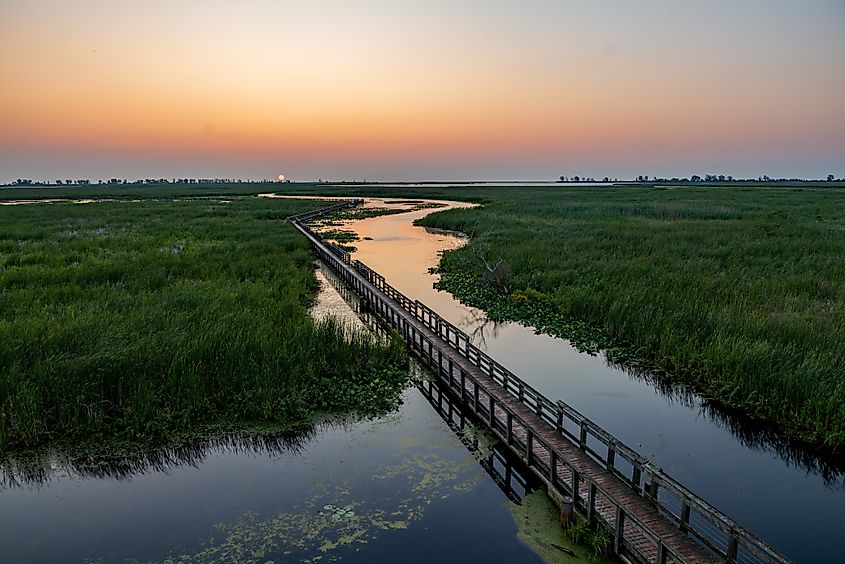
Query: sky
(421, 90)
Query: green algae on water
(538, 527)
(334, 520)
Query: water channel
(790, 497)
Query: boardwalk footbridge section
(652, 517)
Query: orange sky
(401, 90)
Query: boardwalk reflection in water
(505, 469)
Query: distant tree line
(577, 178)
(709, 178)
(141, 181)
(29, 182)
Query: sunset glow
(414, 90)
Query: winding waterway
(790, 497)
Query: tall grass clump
(139, 319)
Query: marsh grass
(136, 319)
(738, 290)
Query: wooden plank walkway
(652, 518)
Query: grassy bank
(136, 319)
(737, 290)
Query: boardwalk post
(492, 412)
(661, 552)
(619, 533)
(611, 456)
(510, 428)
(733, 546)
(582, 441)
(591, 505)
(650, 487)
(529, 446)
(463, 384)
(553, 468)
(576, 486)
(567, 511)
(685, 511)
(475, 394)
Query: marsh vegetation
(139, 319)
(736, 290)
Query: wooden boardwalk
(652, 517)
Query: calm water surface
(787, 496)
(366, 491)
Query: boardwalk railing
(717, 533)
